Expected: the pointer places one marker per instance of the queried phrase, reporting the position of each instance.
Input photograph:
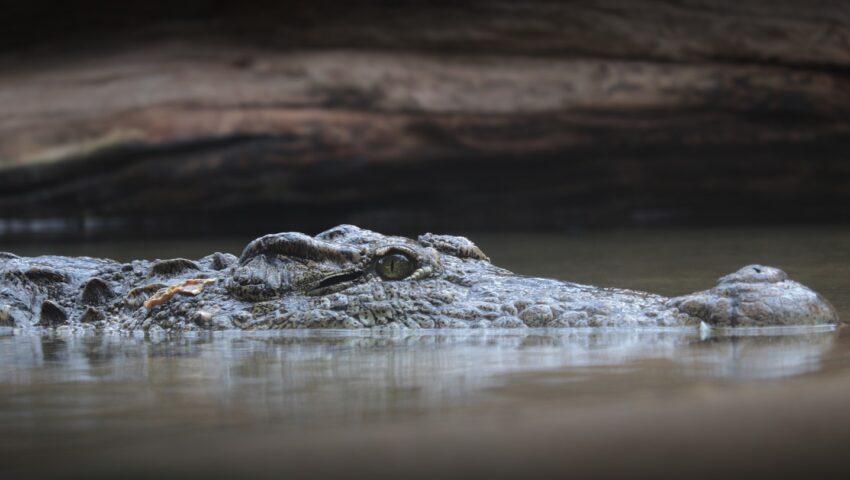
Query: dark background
(215, 118)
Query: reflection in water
(68, 400)
(74, 381)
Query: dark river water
(560, 403)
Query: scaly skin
(348, 277)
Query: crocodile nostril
(758, 270)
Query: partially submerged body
(348, 277)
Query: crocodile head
(349, 277)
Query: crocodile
(349, 277)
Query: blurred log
(429, 115)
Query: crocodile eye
(395, 266)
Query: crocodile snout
(757, 296)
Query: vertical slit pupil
(395, 266)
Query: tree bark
(426, 115)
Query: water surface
(452, 403)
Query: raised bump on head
(460, 247)
(299, 245)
